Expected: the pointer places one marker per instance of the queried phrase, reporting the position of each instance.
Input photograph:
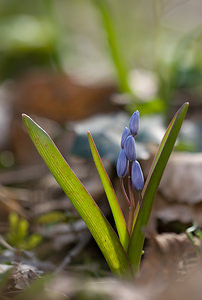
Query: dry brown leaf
(168, 257)
(21, 277)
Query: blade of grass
(116, 56)
(111, 196)
(151, 185)
(99, 227)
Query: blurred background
(82, 65)
(68, 60)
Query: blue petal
(137, 176)
(122, 164)
(134, 123)
(129, 148)
(125, 134)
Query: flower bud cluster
(128, 154)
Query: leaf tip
(89, 134)
(185, 106)
(25, 118)
(32, 125)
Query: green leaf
(151, 185)
(111, 196)
(114, 47)
(99, 227)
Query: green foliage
(114, 48)
(18, 235)
(177, 66)
(28, 38)
(182, 70)
(51, 218)
(122, 72)
(122, 254)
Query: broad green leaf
(151, 185)
(99, 227)
(109, 190)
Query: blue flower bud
(125, 134)
(129, 148)
(137, 176)
(134, 123)
(122, 164)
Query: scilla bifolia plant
(123, 251)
